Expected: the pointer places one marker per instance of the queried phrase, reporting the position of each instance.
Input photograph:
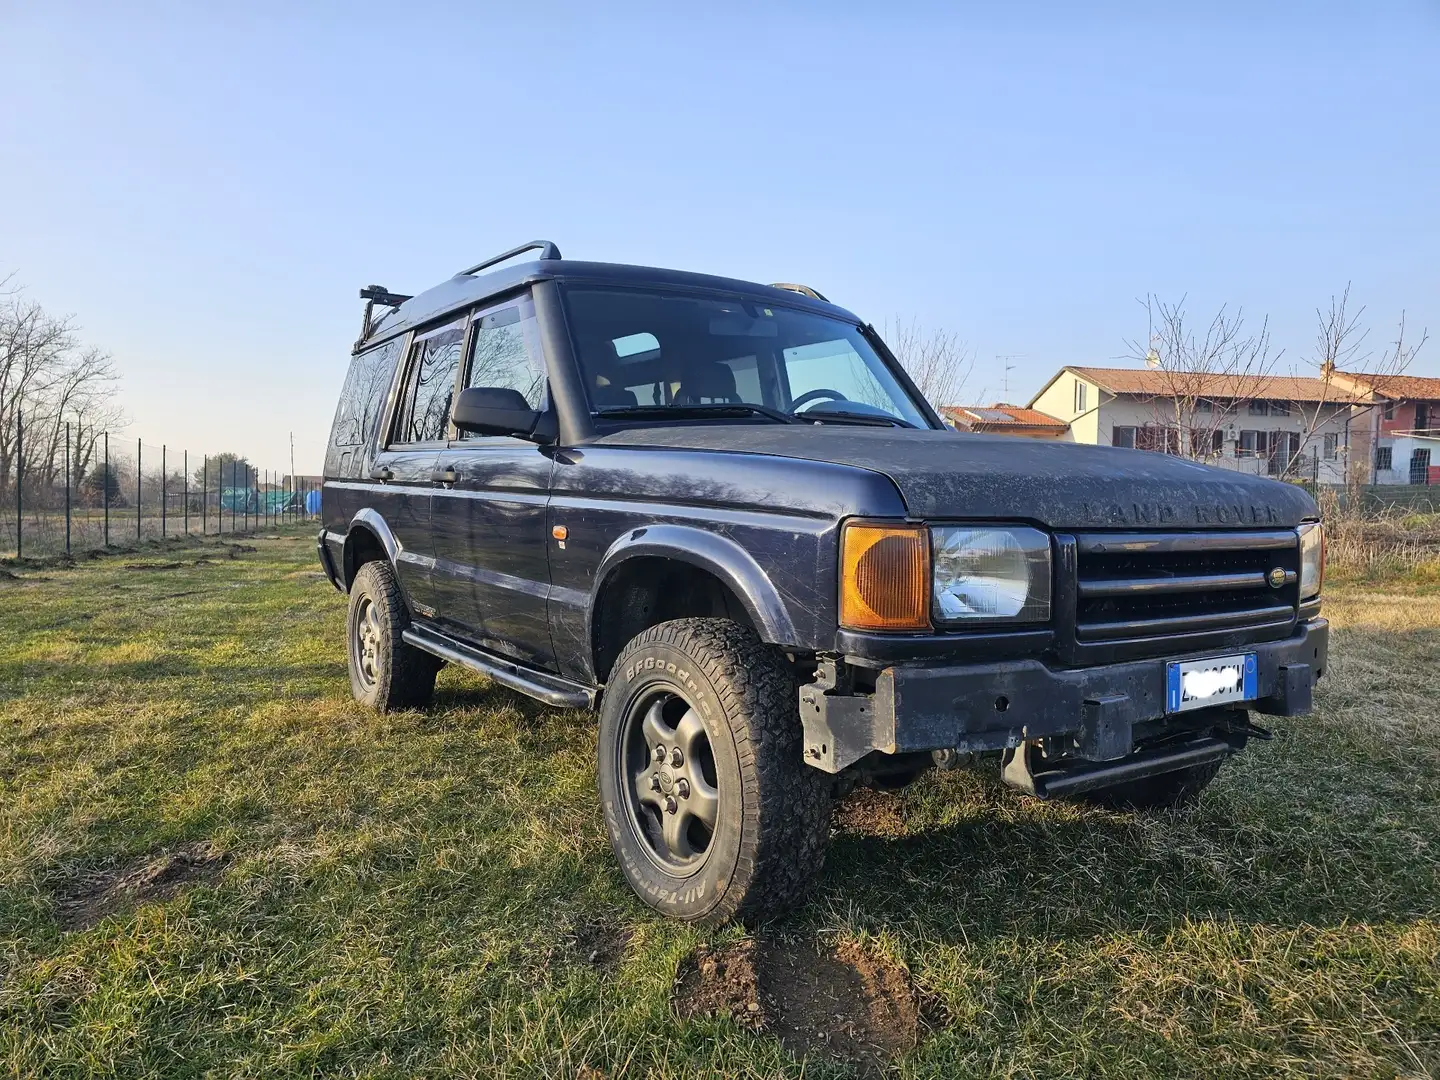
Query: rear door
(405, 464)
(492, 568)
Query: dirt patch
(839, 1002)
(153, 566)
(600, 945)
(149, 878)
(236, 550)
(6, 575)
(877, 813)
(725, 982)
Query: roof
(1161, 383)
(465, 290)
(1398, 387)
(1000, 415)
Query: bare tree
(937, 360)
(47, 379)
(1205, 376)
(1357, 393)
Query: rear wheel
(385, 672)
(710, 808)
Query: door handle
(443, 476)
(383, 472)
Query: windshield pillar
(566, 390)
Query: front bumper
(993, 706)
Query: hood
(1061, 485)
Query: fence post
(164, 494)
(105, 498)
(19, 485)
(139, 486)
(185, 487)
(67, 487)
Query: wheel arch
(659, 572)
(368, 538)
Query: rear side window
(505, 353)
(424, 413)
(361, 401)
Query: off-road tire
(773, 818)
(404, 676)
(1160, 792)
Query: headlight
(990, 573)
(1312, 560)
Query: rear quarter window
(362, 400)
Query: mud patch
(876, 813)
(839, 1002)
(146, 879)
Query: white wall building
(1267, 425)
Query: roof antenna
(1009, 368)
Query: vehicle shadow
(1020, 867)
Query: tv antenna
(1004, 359)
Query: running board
(541, 685)
(1087, 777)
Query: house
(1263, 424)
(1004, 419)
(1396, 436)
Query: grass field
(212, 862)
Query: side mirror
(497, 410)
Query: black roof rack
(803, 290)
(372, 295)
(548, 250)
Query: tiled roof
(1399, 387)
(1158, 382)
(1001, 416)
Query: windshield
(656, 350)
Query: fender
(709, 551)
(371, 520)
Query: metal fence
(93, 491)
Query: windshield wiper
(845, 417)
(690, 412)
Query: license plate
(1218, 680)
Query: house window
(1217, 443)
(1079, 396)
(1384, 459)
(1253, 444)
(1330, 446)
(1422, 416)
(1279, 408)
(1259, 408)
(1123, 436)
(1389, 410)
(1204, 405)
(1162, 440)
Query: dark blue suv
(721, 513)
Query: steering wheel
(816, 395)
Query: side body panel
(609, 498)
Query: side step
(542, 685)
(1102, 774)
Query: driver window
(505, 353)
(834, 366)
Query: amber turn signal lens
(885, 577)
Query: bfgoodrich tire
(385, 672)
(710, 808)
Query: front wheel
(710, 808)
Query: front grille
(1133, 586)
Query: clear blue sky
(207, 185)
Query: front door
(492, 566)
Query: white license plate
(1217, 680)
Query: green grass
(419, 894)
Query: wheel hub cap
(673, 794)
